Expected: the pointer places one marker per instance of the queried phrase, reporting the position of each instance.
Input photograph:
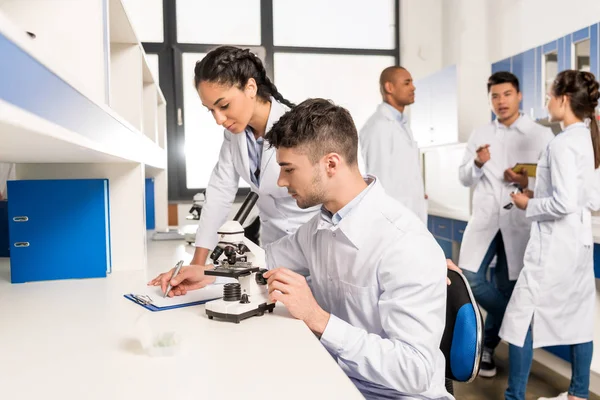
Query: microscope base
(232, 317)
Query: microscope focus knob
(260, 279)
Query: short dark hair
(320, 127)
(503, 77)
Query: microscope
(235, 256)
(196, 210)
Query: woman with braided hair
(553, 300)
(233, 85)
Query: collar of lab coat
(523, 124)
(277, 110)
(353, 224)
(391, 113)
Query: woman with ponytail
(553, 300)
(234, 87)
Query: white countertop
(78, 339)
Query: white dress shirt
(380, 274)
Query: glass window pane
(224, 22)
(335, 23)
(153, 65)
(582, 55)
(147, 19)
(203, 137)
(550, 71)
(351, 81)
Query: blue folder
(59, 229)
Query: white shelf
(150, 112)
(126, 83)
(162, 125)
(69, 39)
(120, 27)
(79, 101)
(28, 138)
(122, 123)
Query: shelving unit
(79, 101)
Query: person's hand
(483, 155)
(190, 277)
(453, 267)
(292, 290)
(528, 193)
(521, 200)
(520, 178)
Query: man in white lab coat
(381, 322)
(388, 146)
(496, 228)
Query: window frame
(171, 82)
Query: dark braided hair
(234, 66)
(582, 89)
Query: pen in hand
(177, 268)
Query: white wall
(439, 33)
(421, 37)
(517, 25)
(465, 43)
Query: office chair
(463, 335)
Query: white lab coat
(390, 152)
(278, 212)
(556, 290)
(523, 142)
(386, 320)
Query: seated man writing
(378, 277)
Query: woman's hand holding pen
(190, 277)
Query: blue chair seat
(463, 334)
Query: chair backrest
(463, 336)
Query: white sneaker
(562, 396)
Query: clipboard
(530, 168)
(152, 299)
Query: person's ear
(251, 88)
(332, 163)
(388, 87)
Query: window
(335, 77)
(582, 55)
(549, 71)
(334, 49)
(224, 22)
(338, 23)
